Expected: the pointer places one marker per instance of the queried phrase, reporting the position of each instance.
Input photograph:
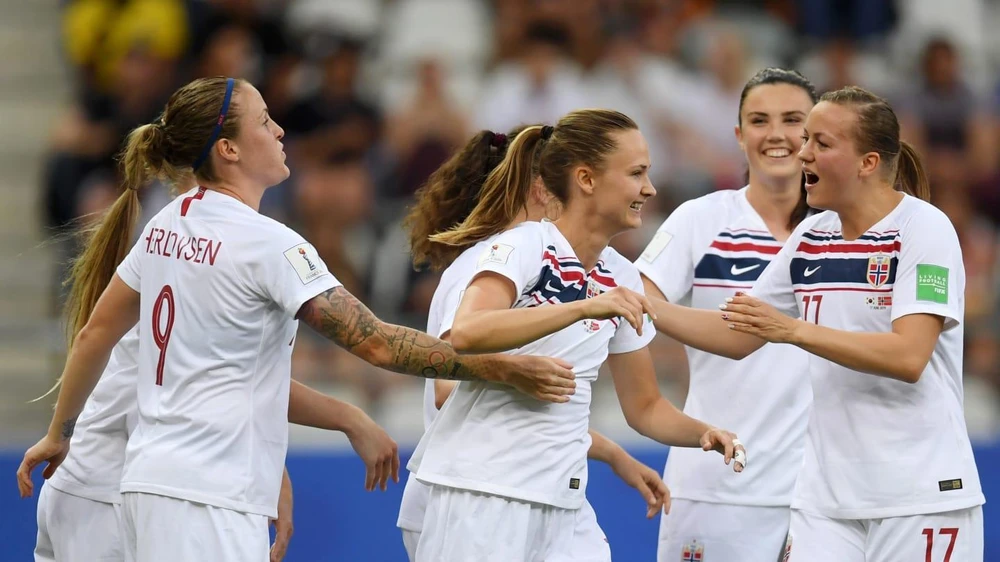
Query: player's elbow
(637, 414)
(92, 334)
(910, 370)
(463, 338)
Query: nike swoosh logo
(551, 289)
(809, 272)
(741, 270)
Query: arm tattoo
(68, 427)
(339, 316)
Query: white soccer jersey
(878, 447)
(491, 439)
(708, 249)
(220, 287)
(444, 303)
(93, 468)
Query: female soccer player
(79, 506)
(708, 249)
(444, 202)
(494, 460)
(221, 288)
(873, 290)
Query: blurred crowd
(375, 94)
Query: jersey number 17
(806, 301)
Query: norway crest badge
(878, 270)
(693, 552)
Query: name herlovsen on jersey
(169, 244)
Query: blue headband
(218, 126)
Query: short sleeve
(129, 270)
(626, 339)
(930, 274)
(515, 254)
(446, 299)
(774, 286)
(289, 271)
(447, 311)
(668, 260)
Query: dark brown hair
(165, 149)
(450, 194)
(877, 130)
(580, 137)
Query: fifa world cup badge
(693, 552)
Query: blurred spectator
(840, 63)
(540, 86)
(857, 19)
(424, 133)
(704, 112)
(126, 67)
(335, 119)
(942, 116)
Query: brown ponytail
(107, 244)
(910, 175)
(449, 196)
(503, 196)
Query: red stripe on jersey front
(570, 276)
(810, 248)
(866, 289)
(606, 281)
(187, 201)
(744, 247)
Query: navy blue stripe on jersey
(836, 270)
(713, 267)
(745, 236)
(836, 237)
(551, 287)
(565, 262)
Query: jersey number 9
(164, 304)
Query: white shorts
(75, 529)
(954, 536)
(720, 531)
(161, 529)
(462, 525)
(410, 541)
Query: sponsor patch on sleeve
(656, 245)
(496, 253)
(932, 283)
(305, 261)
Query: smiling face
(770, 131)
(622, 185)
(830, 160)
